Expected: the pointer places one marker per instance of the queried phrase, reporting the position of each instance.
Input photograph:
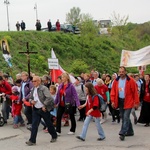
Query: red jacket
(16, 107)
(5, 88)
(90, 104)
(131, 93)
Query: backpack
(102, 103)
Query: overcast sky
(138, 10)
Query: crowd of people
(48, 103)
(22, 25)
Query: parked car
(67, 28)
(62, 28)
(72, 29)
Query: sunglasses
(34, 81)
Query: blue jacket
(70, 95)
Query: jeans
(37, 114)
(86, 124)
(60, 112)
(18, 119)
(126, 127)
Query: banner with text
(53, 63)
(140, 57)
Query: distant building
(105, 23)
(104, 26)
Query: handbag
(68, 108)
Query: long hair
(65, 74)
(91, 89)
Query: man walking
(42, 104)
(124, 94)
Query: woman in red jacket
(92, 111)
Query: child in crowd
(54, 112)
(16, 108)
(92, 111)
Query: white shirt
(38, 103)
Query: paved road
(14, 139)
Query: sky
(138, 11)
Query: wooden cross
(28, 57)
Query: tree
(87, 25)
(73, 17)
(118, 20)
(119, 24)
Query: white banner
(53, 63)
(135, 58)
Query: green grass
(75, 52)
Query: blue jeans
(18, 119)
(37, 114)
(86, 124)
(126, 127)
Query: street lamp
(7, 3)
(35, 7)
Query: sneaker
(100, 139)
(15, 126)
(122, 137)
(80, 138)
(29, 143)
(59, 134)
(53, 140)
(70, 133)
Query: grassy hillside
(76, 53)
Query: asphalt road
(14, 139)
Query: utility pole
(36, 11)
(7, 3)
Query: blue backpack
(102, 103)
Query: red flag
(54, 74)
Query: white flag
(61, 70)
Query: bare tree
(119, 23)
(118, 20)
